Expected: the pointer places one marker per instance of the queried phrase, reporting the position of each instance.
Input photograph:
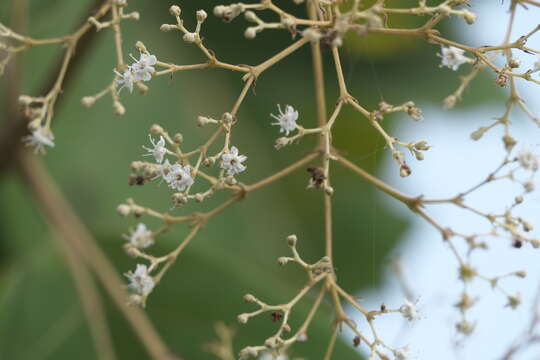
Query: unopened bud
(514, 63)
(243, 318)
(501, 80)
(291, 240)
(201, 15)
(178, 138)
(250, 33)
(283, 260)
(219, 10)
(477, 134)
(470, 18)
(404, 170)
(119, 109)
(422, 145)
(156, 129)
(190, 37)
(123, 210)
(88, 101)
(509, 142)
(167, 27)
(175, 10)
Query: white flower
(141, 237)
(453, 57)
(408, 310)
(177, 176)
(159, 149)
(40, 138)
(232, 162)
(126, 80)
(403, 353)
(286, 120)
(143, 68)
(139, 281)
(528, 160)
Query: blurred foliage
(236, 253)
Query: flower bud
(514, 63)
(477, 134)
(156, 129)
(422, 145)
(501, 80)
(283, 260)
(404, 170)
(175, 10)
(291, 240)
(88, 101)
(201, 15)
(167, 27)
(140, 46)
(243, 318)
(219, 10)
(123, 210)
(250, 33)
(119, 109)
(509, 142)
(329, 190)
(470, 18)
(202, 120)
(190, 37)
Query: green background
(40, 315)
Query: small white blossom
(159, 150)
(141, 237)
(232, 162)
(39, 139)
(126, 80)
(528, 160)
(402, 353)
(144, 67)
(139, 281)
(177, 176)
(408, 310)
(453, 57)
(286, 120)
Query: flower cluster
(140, 70)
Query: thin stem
(57, 211)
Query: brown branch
(15, 126)
(59, 213)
